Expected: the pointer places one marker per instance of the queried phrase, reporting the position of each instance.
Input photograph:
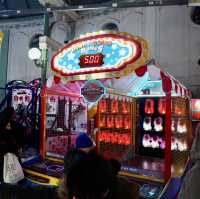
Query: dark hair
(89, 177)
(116, 166)
(6, 116)
(11, 139)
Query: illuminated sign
(102, 55)
(195, 109)
(93, 60)
(92, 91)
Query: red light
(127, 122)
(149, 106)
(113, 139)
(162, 106)
(102, 105)
(125, 107)
(114, 106)
(102, 121)
(118, 122)
(107, 137)
(110, 121)
(93, 60)
(178, 110)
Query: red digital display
(92, 60)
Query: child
(85, 143)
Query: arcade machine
(63, 117)
(195, 105)
(144, 121)
(23, 97)
(68, 106)
(109, 73)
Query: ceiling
(8, 8)
(21, 8)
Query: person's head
(89, 176)
(84, 143)
(6, 117)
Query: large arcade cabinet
(104, 85)
(152, 127)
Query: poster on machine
(21, 98)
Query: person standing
(191, 182)
(10, 138)
(89, 175)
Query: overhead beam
(137, 3)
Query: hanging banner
(100, 55)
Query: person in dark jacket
(90, 176)
(11, 136)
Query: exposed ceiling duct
(86, 2)
(20, 8)
(56, 3)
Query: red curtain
(167, 84)
(141, 71)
